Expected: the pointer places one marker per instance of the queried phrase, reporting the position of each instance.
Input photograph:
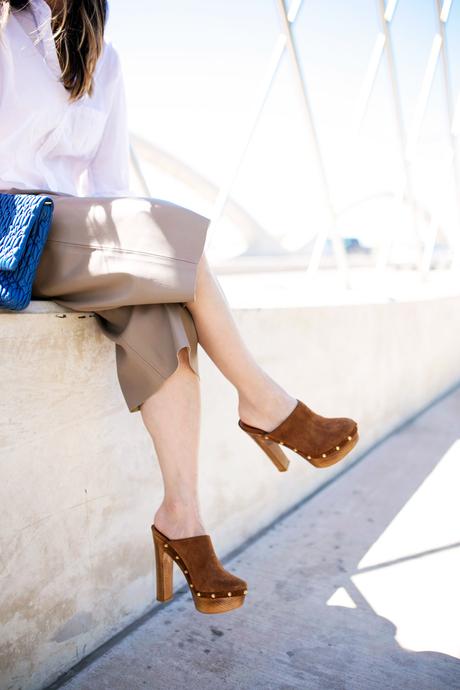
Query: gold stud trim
(308, 457)
(349, 438)
(185, 571)
(295, 449)
(337, 447)
(324, 455)
(191, 585)
(266, 436)
(165, 545)
(177, 558)
(213, 595)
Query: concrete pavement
(357, 588)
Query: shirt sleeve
(109, 171)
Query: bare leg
(262, 402)
(172, 414)
(172, 417)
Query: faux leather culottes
(132, 261)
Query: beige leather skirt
(132, 261)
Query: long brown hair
(78, 31)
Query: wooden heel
(274, 452)
(164, 571)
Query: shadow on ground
(354, 590)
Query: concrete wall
(79, 481)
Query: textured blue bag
(25, 221)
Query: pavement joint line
(102, 649)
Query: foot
(270, 410)
(177, 523)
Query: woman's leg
(262, 402)
(172, 416)
(93, 280)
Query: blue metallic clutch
(25, 221)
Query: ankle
(179, 519)
(267, 410)
(262, 392)
(265, 399)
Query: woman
(138, 264)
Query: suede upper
(205, 571)
(308, 431)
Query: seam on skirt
(120, 249)
(122, 340)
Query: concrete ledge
(80, 483)
(42, 306)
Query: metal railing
(424, 220)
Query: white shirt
(80, 148)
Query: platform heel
(164, 571)
(272, 450)
(214, 589)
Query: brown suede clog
(214, 589)
(322, 441)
